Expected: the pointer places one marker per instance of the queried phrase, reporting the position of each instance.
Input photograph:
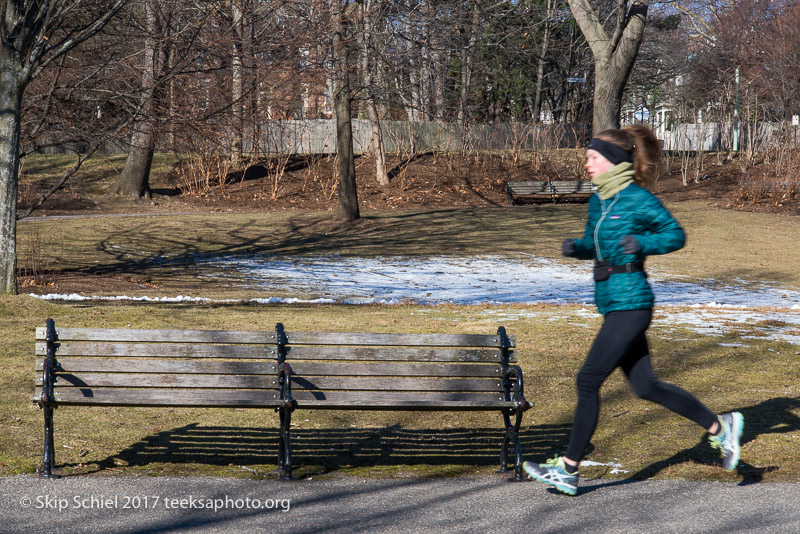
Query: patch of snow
(615, 467)
(526, 279)
(706, 307)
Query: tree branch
(64, 177)
(622, 12)
(41, 55)
(592, 28)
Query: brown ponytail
(643, 145)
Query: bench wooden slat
(396, 369)
(558, 187)
(328, 383)
(523, 188)
(208, 398)
(395, 354)
(161, 350)
(162, 336)
(397, 400)
(136, 380)
(394, 340)
(139, 365)
(549, 190)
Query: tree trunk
(237, 83)
(10, 107)
(347, 206)
(614, 56)
(537, 102)
(30, 41)
(609, 85)
(376, 136)
(467, 56)
(438, 82)
(425, 89)
(415, 112)
(134, 181)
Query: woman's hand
(629, 244)
(568, 248)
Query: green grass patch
(760, 379)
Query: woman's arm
(663, 232)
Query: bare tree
(467, 59)
(237, 80)
(347, 205)
(614, 54)
(370, 11)
(550, 10)
(134, 181)
(32, 35)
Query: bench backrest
(130, 367)
(556, 187)
(391, 371)
(160, 367)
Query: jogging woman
(626, 224)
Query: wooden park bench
(281, 370)
(555, 191)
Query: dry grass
(722, 245)
(761, 380)
(95, 177)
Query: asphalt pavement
(94, 504)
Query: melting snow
(715, 307)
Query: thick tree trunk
(614, 55)
(134, 181)
(10, 108)
(347, 206)
(609, 85)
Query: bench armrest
(514, 372)
(47, 398)
(285, 384)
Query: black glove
(568, 248)
(629, 244)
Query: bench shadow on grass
(773, 416)
(327, 450)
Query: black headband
(610, 151)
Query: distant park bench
(280, 370)
(555, 191)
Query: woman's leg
(620, 332)
(646, 385)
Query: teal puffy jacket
(633, 211)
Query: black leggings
(621, 343)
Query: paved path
(475, 504)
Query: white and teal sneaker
(553, 473)
(726, 441)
